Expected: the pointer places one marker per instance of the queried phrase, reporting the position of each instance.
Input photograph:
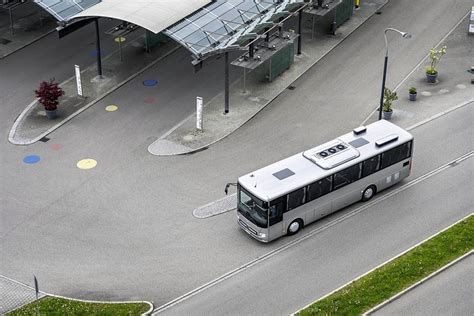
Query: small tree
(388, 97)
(435, 56)
(48, 94)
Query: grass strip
(52, 306)
(395, 276)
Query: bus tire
(368, 193)
(294, 227)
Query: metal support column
(11, 20)
(383, 86)
(300, 20)
(97, 43)
(226, 82)
(251, 50)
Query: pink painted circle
(56, 146)
(149, 100)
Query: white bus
(281, 198)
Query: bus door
(275, 218)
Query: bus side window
(275, 212)
(295, 199)
(346, 176)
(370, 166)
(395, 155)
(318, 189)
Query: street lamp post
(404, 35)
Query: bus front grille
(247, 228)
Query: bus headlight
(263, 235)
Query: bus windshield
(252, 208)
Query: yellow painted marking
(120, 39)
(86, 164)
(111, 108)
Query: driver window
(275, 212)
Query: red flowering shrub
(48, 94)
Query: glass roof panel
(224, 24)
(62, 10)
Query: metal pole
(97, 43)
(11, 20)
(383, 85)
(226, 82)
(300, 20)
(245, 80)
(120, 47)
(404, 35)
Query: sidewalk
(244, 105)
(30, 23)
(31, 125)
(15, 294)
(452, 89)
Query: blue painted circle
(31, 159)
(94, 53)
(150, 82)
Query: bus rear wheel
(369, 193)
(295, 227)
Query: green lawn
(51, 306)
(397, 275)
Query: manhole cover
(4, 41)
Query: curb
(28, 44)
(397, 296)
(269, 101)
(382, 264)
(85, 107)
(417, 66)
(438, 115)
(310, 234)
(148, 312)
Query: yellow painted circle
(111, 108)
(86, 164)
(120, 39)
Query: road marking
(31, 159)
(86, 164)
(417, 65)
(111, 108)
(432, 275)
(384, 263)
(310, 234)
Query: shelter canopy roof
(230, 24)
(63, 10)
(153, 15)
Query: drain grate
(44, 139)
(291, 88)
(4, 41)
(378, 12)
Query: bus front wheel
(369, 193)
(294, 227)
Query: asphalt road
(332, 257)
(124, 230)
(448, 293)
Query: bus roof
(299, 170)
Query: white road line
(310, 234)
(418, 65)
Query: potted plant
(48, 94)
(435, 56)
(412, 93)
(388, 97)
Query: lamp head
(406, 35)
